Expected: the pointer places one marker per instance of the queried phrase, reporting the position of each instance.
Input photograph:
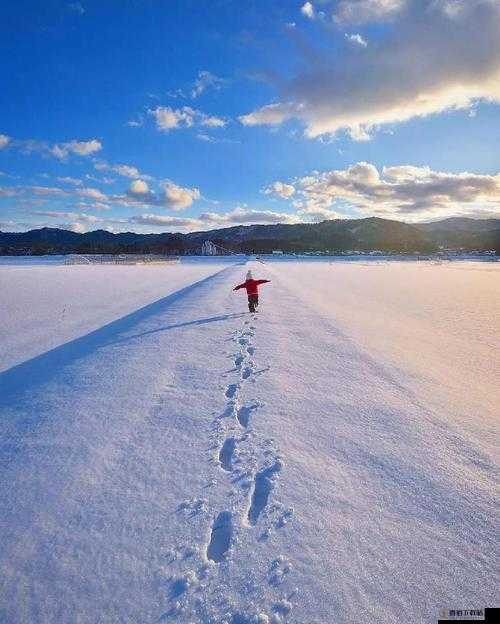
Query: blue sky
(183, 115)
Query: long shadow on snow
(24, 378)
(203, 321)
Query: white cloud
(206, 80)
(409, 192)
(406, 173)
(245, 216)
(81, 148)
(81, 217)
(430, 62)
(213, 122)
(359, 133)
(318, 214)
(93, 206)
(203, 136)
(103, 180)
(54, 213)
(164, 221)
(168, 118)
(59, 150)
(361, 11)
(8, 191)
(126, 171)
(47, 190)
(77, 228)
(173, 93)
(134, 123)
(271, 114)
(307, 9)
(178, 197)
(10, 226)
(279, 189)
(51, 191)
(357, 39)
(140, 193)
(68, 180)
(457, 8)
(86, 218)
(213, 220)
(29, 146)
(139, 187)
(92, 193)
(171, 197)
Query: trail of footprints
(240, 416)
(237, 453)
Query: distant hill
(339, 235)
(464, 233)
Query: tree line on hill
(333, 236)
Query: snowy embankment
(327, 460)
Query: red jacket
(252, 286)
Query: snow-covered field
(168, 457)
(45, 306)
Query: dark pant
(253, 302)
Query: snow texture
(168, 457)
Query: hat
(249, 275)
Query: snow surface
(44, 307)
(177, 459)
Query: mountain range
(339, 235)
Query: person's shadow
(203, 321)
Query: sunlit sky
(180, 115)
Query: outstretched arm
(239, 286)
(263, 281)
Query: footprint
(226, 454)
(282, 608)
(243, 414)
(262, 489)
(247, 371)
(284, 518)
(180, 585)
(238, 360)
(250, 350)
(220, 539)
(231, 390)
(229, 410)
(242, 341)
(193, 506)
(278, 570)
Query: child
(252, 288)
